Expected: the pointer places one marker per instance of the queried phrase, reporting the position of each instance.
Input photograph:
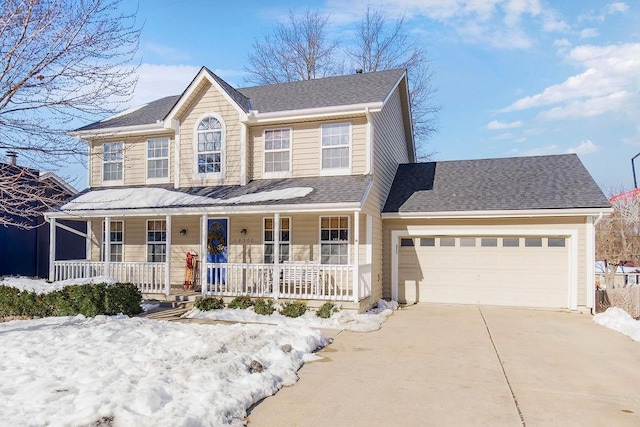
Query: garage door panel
(518, 276)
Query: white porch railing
(294, 281)
(149, 277)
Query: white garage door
(513, 270)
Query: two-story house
(309, 190)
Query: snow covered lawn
(619, 320)
(76, 370)
(69, 371)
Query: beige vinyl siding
(134, 159)
(553, 223)
(210, 102)
(389, 147)
(180, 245)
(306, 149)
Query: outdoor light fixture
(183, 232)
(243, 232)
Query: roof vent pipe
(12, 155)
(358, 70)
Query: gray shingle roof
(542, 182)
(326, 190)
(148, 114)
(326, 92)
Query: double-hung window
(156, 240)
(285, 240)
(209, 146)
(158, 159)
(334, 240)
(277, 152)
(112, 161)
(336, 147)
(116, 241)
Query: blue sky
(513, 77)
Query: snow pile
(344, 319)
(619, 320)
(41, 286)
(76, 371)
(132, 198)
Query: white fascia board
(209, 210)
(121, 130)
(366, 193)
(498, 214)
(403, 76)
(255, 117)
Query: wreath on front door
(215, 239)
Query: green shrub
(89, 300)
(264, 307)
(241, 302)
(209, 303)
(293, 308)
(8, 298)
(326, 310)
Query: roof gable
(366, 89)
(517, 183)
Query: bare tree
(298, 49)
(61, 62)
(381, 46)
(618, 236)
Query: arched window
(209, 146)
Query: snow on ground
(346, 320)
(41, 286)
(76, 370)
(619, 320)
(63, 371)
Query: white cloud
(589, 33)
(617, 7)
(610, 82)
(585, 147)
(499, 23)
(538, 151)
(498, 125)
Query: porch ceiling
(269, 194)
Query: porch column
(203, 254)
(52, 248)
(87, 244)
(167, 263)
(356, 256)
(107, 244)
(276, 255)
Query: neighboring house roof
(353, 89)
(517, 183)
(266, 192)
(61, 183)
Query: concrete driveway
(454, 365)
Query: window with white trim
(334, 240)
(116, 236)
(277, 151)
(209, 146)
(156, 240)
(336, 146)
(285, 240)
(112, 159)
(157, 158)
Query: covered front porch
(304, 256)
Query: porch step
(165, 313)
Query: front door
(217, 248)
